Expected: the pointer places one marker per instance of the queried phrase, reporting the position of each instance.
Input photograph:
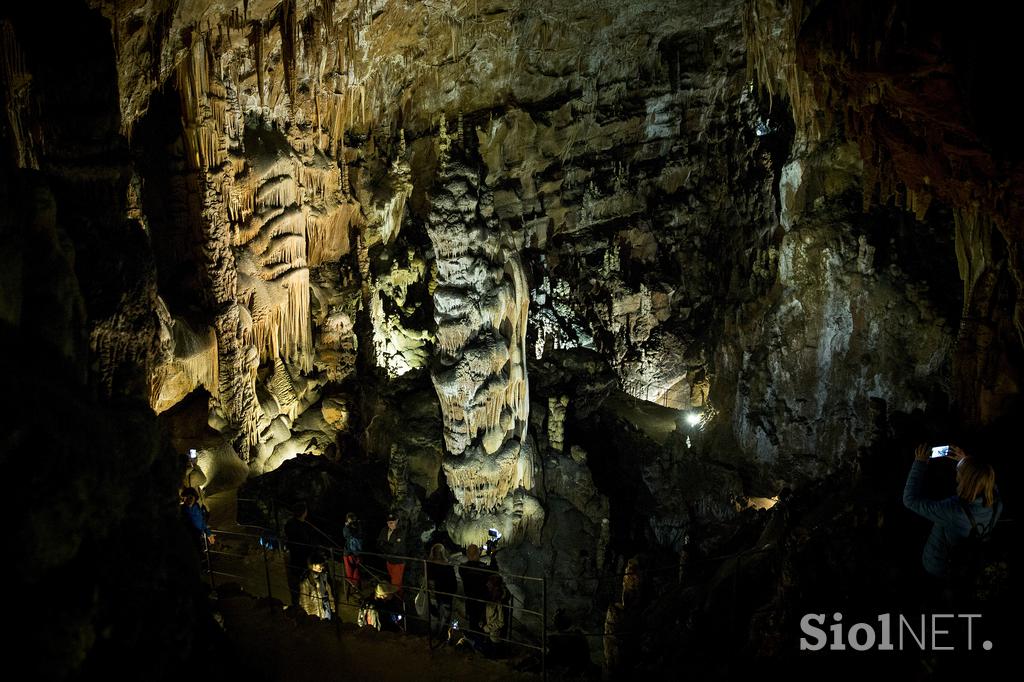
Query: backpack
(974, 563)
(368, 615)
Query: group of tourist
(486, 597)
(969, 514)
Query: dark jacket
(396, 545)
(441, 578)
(474, 576)
(951, 525)
(300, 542)
(353, 540)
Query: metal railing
(258, 562)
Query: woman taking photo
(975, 505)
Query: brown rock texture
(607, 276)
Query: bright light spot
(762, 502)
(693, 418)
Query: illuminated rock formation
(481, 305)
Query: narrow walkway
(272, 643)
(275, 645)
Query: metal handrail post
(277, 521)
(209, 562)
(266, 573)
(544, 629)
(735, 594)
(334, 592)
(430, 624)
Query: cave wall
(913, 88)
(92, 475)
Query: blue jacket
(353, 540)
(197, 517)
(951, 525)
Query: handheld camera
(493, 537)
(192, 454)
(940, 451)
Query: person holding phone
(976, 497)
(195, 515)
(194, 477)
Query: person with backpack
(350, 554)
(958, 521)
(443, 584)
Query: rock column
(480, 306)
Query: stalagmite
(481, 302)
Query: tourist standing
(392, 543)
(300, 539)
(350, 553)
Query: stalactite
(197, 355)
(266, 326)
(297, 342)
(328, 237)
(256, 42)
(444, 143)
(317, 182)
(277, 192)
(345, 187)
(395, 209)
(282, 389)
(17, 96)
(918, 203)
(245, 233)
(245, 326)
(263, 228)
(452, 336)
(973, 250)
(286, 249)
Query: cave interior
(679, 281)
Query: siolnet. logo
(923, 632)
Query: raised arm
(939, 511)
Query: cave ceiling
(783, 218)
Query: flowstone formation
(481, 305)
(269, 219)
